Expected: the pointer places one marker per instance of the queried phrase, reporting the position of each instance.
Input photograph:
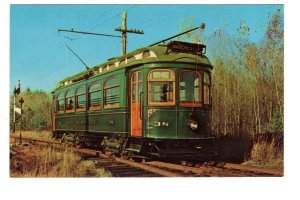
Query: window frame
(135, 84)
(76, 98)
(192, 104)
(67, 99)
(58, 111)
(172, 79)
(89, 107)
(105, 88)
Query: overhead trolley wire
(102, 15)
(109, 19)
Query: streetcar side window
(190, 88)
(95, 100)
(60, 103)
(112, 93)
(161, 84)
(206, 88)
(69, 101)
(80, 98)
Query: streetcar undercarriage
(194, 150)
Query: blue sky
(38, 56)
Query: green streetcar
(154, 102)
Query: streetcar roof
(149, 54)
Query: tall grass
(50, 162)
(34, 134)
(267, 154)
(263, 151)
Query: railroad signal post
(14, 118)
(16, 93)
(21, 101)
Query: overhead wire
(119, 13)
(102, 22)
(172, 10)
(112, 17)
(50, 52)
(143, 21)
(38, 62)
(102, 15)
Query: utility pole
(124, 35)
(124, 31)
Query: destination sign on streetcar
(185, 47)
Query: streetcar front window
(161, 84)
(190, 88)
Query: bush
(266, 154)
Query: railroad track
(229, 170)
(120, 167)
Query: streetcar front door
(136, 101)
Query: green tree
(247, 78)
(36, 110)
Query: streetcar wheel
(219, 164)
(190, 164)
(127, 155)
(198, 165)
(62, 139)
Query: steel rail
(276, 172)
(132, 163)
(229, 169)
(202, 171)
(165, 173)
(199, 171)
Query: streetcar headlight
(193, 125)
